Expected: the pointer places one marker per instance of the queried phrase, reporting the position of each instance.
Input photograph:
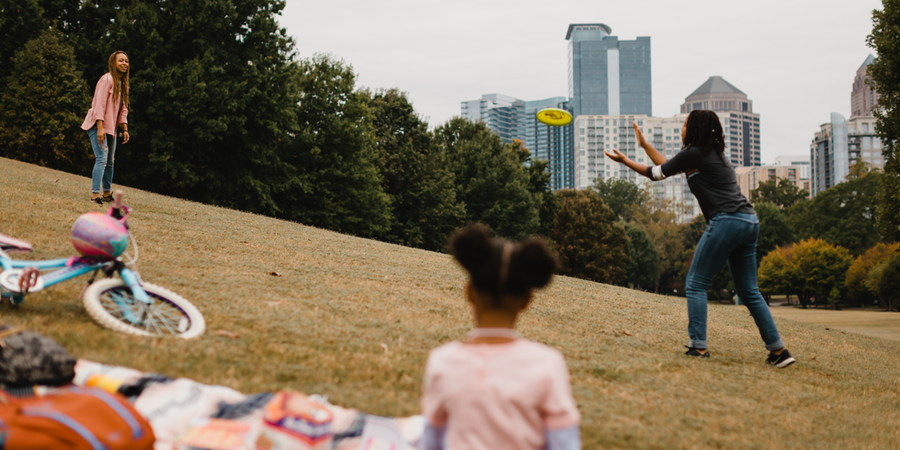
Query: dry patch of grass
(320, 326)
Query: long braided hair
(704, 131)
(120, 80)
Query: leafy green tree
(590, 242)
(20, 22)
(858, 273)
(424, 210)
(44, 104)
(490, 179)
(844, 215)
(642, 270)
(885, 73)
(622, 196)
(774, 230)
(780, 192)
(334, 182)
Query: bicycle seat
(11, 244)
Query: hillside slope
(354, 319)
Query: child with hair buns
(496, 390)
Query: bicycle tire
(106, 310)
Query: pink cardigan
(104, 108)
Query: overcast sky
(795, 59)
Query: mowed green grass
(354, 319)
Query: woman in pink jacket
(109, 110)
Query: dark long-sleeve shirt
(711, 178)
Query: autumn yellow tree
(858, 273)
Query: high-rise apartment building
(749, 178)
(720, 96)
(838, 145)
(801, 162)
(512, 118)
(501, 113)
(606, 75)
(864, 97)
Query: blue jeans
(731, 237)
(104, 158)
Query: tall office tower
(864, 96)
(720, 96)
(606, 75)
(553, 144)
(501, 113)
(838, 145)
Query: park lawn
(354, 319)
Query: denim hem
(700, 345)
(777, 345)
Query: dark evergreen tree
(333, 182)
(424, 210)
(20, 22)
(885, 73)
(589, 240)
(490, 179)
(44, 104)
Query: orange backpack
(73, 418)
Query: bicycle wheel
(111, 304)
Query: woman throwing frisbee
(730, 236)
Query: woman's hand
(101, 134)
(615, 155)
(638, 135)
(125, 136)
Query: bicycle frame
(69, 268)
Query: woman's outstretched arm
(654, 155)
(620, 157)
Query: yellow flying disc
(554, 117)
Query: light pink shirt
(104, 107)
(498, 396)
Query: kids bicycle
(124, 303)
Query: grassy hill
(354, 319)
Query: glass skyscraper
(608, 76)
(512, 118)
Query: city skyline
(443, 53)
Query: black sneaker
(107, 198)
(693, 352)
(97, 200)
(780, 361)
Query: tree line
(225, 112)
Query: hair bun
(532, 266)
(472, 246)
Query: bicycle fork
(131, 280)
